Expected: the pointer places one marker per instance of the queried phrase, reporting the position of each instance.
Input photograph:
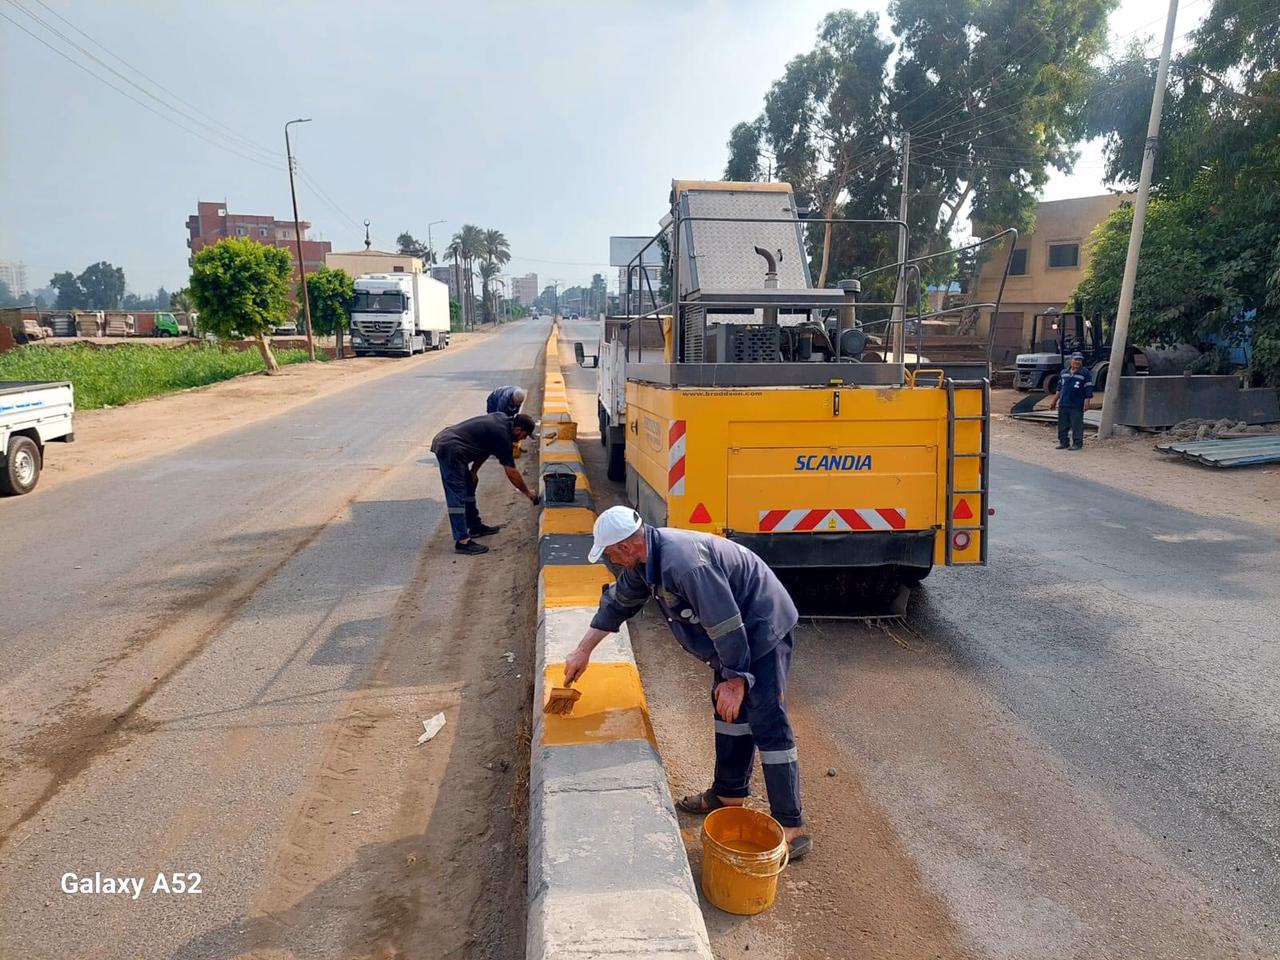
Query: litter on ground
(431, 727)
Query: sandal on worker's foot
(799, 848)
(701, 803)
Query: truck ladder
(983, 456)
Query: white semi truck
(401, 313)
(31, 415)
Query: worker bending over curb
(508, 400)
(726, 607)
(460, 450)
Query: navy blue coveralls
(727, 609)
(460, 450)
(503, 400)
(1074, 390)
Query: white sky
(559, 122)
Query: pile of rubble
(1197, 428)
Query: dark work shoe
(1063, 446)
(470, 547)
(1078, 447)
(484, 530)
(799, 848)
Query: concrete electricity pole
(431, 251)
(297, 235)
(1120, 336)
(900, 313)
(555, 287)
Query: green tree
(71, 295)
(242, 288)
(180, 300)
(1211, 249)
(103, 285)
(409, 247)
(496, 252)
(744, 152)
(993, 94)
(332, 293)
(7, 299)
(488, 270)
(467, 246)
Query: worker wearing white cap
(725, 607)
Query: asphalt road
(175, 636)
(1074, 752)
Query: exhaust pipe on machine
(770, 282)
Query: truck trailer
(755, 406)
(399, 313)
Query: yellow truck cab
(772, 415)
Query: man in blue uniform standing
(508, 400)
(1074, 391)
(729, 610)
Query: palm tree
(497, 253)
(456, 252)
(473, 248)
(488, 270)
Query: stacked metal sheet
(1233, 452)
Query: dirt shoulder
(1133, 465)
(108, 438)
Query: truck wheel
(615, 457)
(21, 468)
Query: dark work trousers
(459, 495)
(762, 723)
(1070, 420)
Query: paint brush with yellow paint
(560, 700)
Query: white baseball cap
(613, 526)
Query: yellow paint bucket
(743, 851)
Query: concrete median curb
(608, 873)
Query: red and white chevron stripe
(675, 458)
(826, 520)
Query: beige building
(524, 290)
(359, 262)
(1048, 263)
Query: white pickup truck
(31, 415)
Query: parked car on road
(32, 414)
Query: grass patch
(125, 374)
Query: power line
(227, 130)
(325, 198)
(141, 103)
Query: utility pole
(297, 235)
(555, 288)
(431, 251)
(900, 313)
(1120, 336)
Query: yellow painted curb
(574, 586)
(612, 707)
(567, 520)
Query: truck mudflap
(864, 548)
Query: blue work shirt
(723, 603)
(503, 400)
(1075, 388)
